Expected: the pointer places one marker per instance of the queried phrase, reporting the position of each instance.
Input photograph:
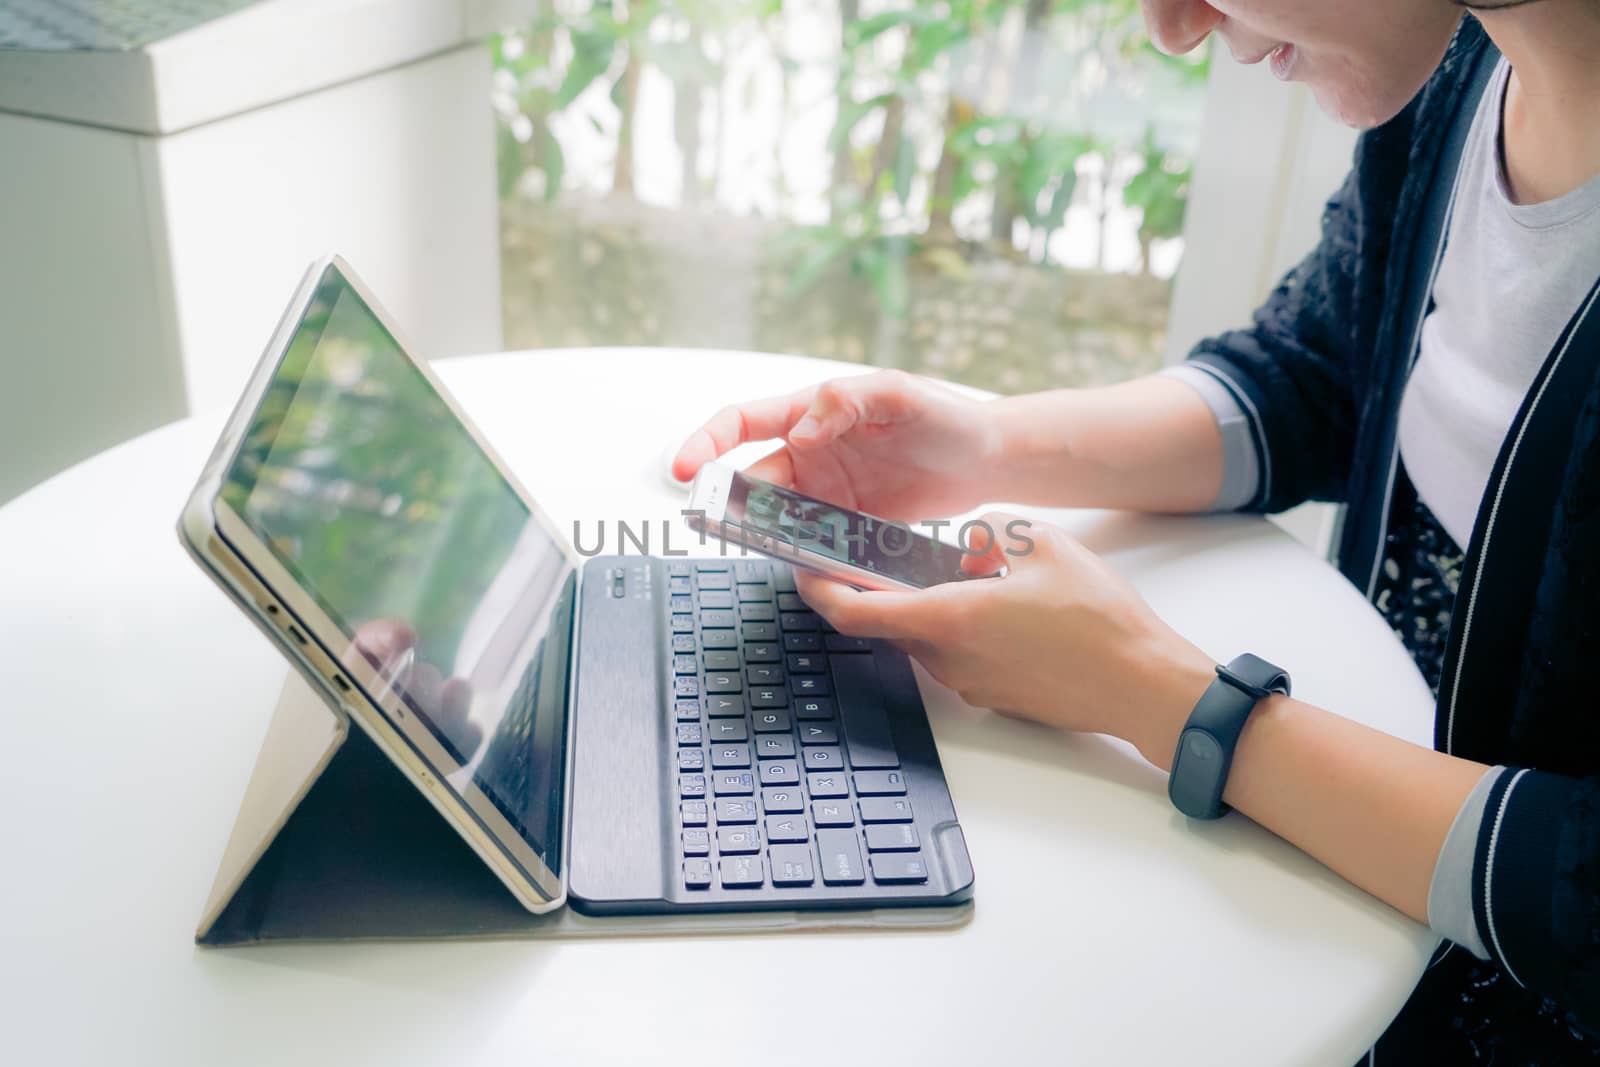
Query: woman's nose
(1178, 26)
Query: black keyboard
(787, 772)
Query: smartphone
(848, 546)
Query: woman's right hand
(888, 443)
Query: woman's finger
(894, 615)
(777, 468)
(737, 424)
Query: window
(992, 191)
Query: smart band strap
(1205, 748)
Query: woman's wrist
(1175, 685)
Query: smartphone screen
(880, 546)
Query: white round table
(1108, 929)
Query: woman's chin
(1353, 108)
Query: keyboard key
(758, 631)
(736, 784)
(880, 784)
(725, 756)
(683, 643)
(798, 620)
(694, 812)
(725, 730)
(814, 708)
(832, 813)
(679, 568)
(808, 685)
(737, 840)
(823, 758)
(826, 785)
(696, 842)
(752, 572)
(767, 696)
(791, 864)
(818, 733)
(771, 720)
(724, 705)
(685, 664)
(894, 868)
(721, 660)
(841, 643)
(718, 639)
(724, 682)
(713, 580)
(774, 746)
(681, 604)
(762, 652)
(733, 812)
(755, 594)
(802, 642)
(892, 837)
(711, 566)
(686, 710)
(779, 772)
(764, 675)
(691, 786)
(691, 759)
(697, 874)
(758, 613)
(719, 599)
(686, 687)
(868, 740)
(742, 872)
(783, 579)
(716, 620)
(678, 585)
(791, 602)
(782, 801)
(806, 663)
(885, 809)
(683, 624)
(689, 733)
(841, 857)
(787, 829)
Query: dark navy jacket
(1320, 375)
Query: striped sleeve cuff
(1514, 874)
(1241, 460)
(1450, 892)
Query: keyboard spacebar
(865, 723)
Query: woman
(1435, 365)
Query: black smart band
(1205, 748)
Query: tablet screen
(367, 488)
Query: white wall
(395, 172)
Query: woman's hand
(887, 443)
(1061, 639)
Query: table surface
(1107, 929)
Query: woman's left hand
(1061, 638)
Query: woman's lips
(1283, 61)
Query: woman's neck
(1552, 113)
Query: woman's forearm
(1151, 444)
(1373, 808)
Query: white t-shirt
(1511, 278)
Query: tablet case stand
(332, 842)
